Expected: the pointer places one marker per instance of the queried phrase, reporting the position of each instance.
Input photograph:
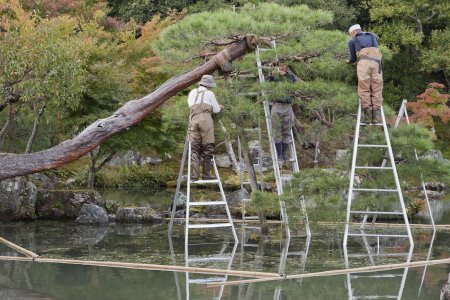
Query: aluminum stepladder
(188, 225)
(362, 233)
(189, 204)
(403, 113)
(353, 189)
(280, 179)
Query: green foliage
(142, 176)
(183, 42)
(323, 191)
(437, 56)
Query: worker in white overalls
(203, 104)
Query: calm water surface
(151, 244)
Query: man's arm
(215, 105)
(351, 48)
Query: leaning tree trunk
(128, 115)
(32, 138)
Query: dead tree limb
(132, 112)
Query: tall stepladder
(280, 178)
(375, 252)
(190, 204)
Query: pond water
(146, 243)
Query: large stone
(42, 181)
(222, 161)
(147, 160)
(92, 214)
(60, 204)
(129, 158)
(17, 199)
(433, 154)
(137, 215)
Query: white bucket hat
(208, 81)
(353, 28)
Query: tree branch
(101, 130)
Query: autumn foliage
(431, 106)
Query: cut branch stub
(128, 115)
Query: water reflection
(378, 285)
(196, 257)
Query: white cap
(353, 28)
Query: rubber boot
(207, 166)
(284, 148)
(194, 170)
(279, 147)
(367, 118)
(207, 154)
(377, 116)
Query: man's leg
(196, 149)
(207, 154)
(364, 89)
(377, 94)
(277, 133)
(287, 118)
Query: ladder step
(206, 280)
(214, 225)
(252, 227)
(376, 297)
(298, 253)
(251, 218)
(372, 146)
(378, 235)
(373, 168)
(374, 190)
(251, 245)
(207, 203)
(207, 259)
(266, 49)
(368, 212)
(379, 255)
(246, 200)
(370, 124)
(205, 181)
(376, 276)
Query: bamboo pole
(337, 272)
(394, 225)
(18, 248)
(141, 266)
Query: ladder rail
(225, 199)
(179, 181)
(397, 181)
(352, 181)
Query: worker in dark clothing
(364, 50)
(282, 114)
(202, 103)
